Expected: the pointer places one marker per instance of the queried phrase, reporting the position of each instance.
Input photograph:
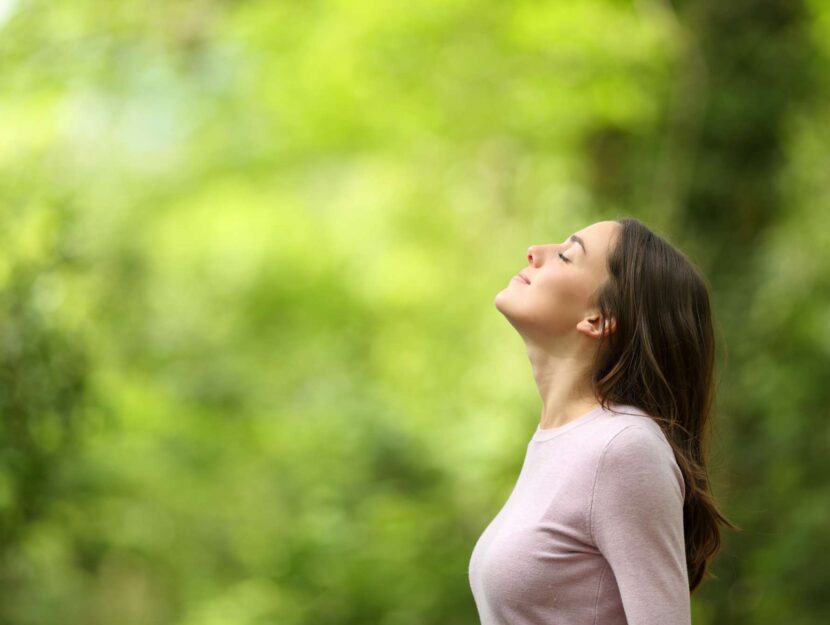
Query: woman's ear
(595, 326)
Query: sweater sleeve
(636, 521)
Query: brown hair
(660, 358)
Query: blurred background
(250, 367)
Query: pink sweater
(592, 533)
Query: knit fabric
(592, 532)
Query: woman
(611, 520)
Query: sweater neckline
(545, 434)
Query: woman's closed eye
(563, 258)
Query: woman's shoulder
(639, 428)
(631, 438)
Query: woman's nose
(533, 254)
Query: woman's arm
(636, 521)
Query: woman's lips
(521, 278)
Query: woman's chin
(502, 300)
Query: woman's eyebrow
(579, 240)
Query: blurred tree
(43, 380)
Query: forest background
(250, 367)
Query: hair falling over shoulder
(660, 358)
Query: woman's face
(562, 280)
